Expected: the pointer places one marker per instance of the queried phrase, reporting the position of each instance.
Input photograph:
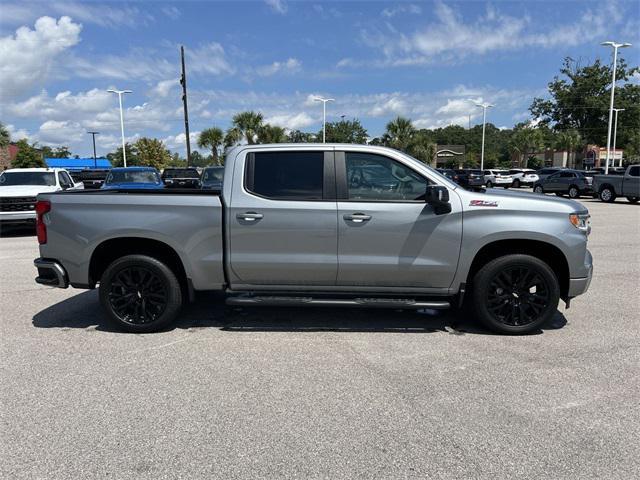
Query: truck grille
(17, 204)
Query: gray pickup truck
(319, 225)
(609, 187)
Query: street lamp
(93, 134)
(615, 134)
(615, 46)
(484, 107)
(120, 92)
(324, 114)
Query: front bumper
(578, 286)
(51, 273)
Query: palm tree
(248, 123)
(569, 140)
(213, 139)
(271, 134)
(232, 137)
(399, 133)
(524, 141)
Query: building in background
(450, 156)
(77, 163)
(7, 155)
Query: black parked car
(211, 178)
(470, 178)
(449, 173)
(566, 182)
(91, 178)
(181, 178)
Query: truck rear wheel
(607, 194)
(140, 293)
(633, 199)
(515, 294)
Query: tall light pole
(484, 107)
(615, 46)
(120, 92)
(93, 134)
(615, 134)
(324, 115)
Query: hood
(132, 185)
(26, 190)
(524, 201)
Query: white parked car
(20, 186)
(523, 177)
(498, 178)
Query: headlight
(582, 221)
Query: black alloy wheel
(515, 294)
(140, 293)
(538, 189)
(516, 183)
(607, 194)
(489, 184)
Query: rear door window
(634, 171)
(286, 175)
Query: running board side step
(335, 302)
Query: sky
(428, 61)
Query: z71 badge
(483, 203)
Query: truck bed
(85, 224)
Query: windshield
(27, 178)
(123, 176)
(181, 173)
(213, 175)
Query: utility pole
(124, 149)
(95, 162)
(484, 107)
(469, 122)
(183, 82)
(615, 133)
(615, 47)
(324, 115)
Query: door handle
(357, 217)
(249, 216)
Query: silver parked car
(319, 225)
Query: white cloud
(17, 133)
(163, 87)
(209, 59)
(452, 37)
(402, 8)
(172, 12)
(289, 66)
(291, 121)
(60, 132)
(27, 57)
(278, 6)
(178, 141)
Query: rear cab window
(286, 175)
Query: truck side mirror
(438, 197)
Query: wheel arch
(547, 252)
(112, 249)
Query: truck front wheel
(515, 294)
(140, 293)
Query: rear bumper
(18, 217)
(51, 273)
(578, 286)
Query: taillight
(42, 207)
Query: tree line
(574, 114)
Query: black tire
(506, 186)
(538, 189)
(560, 194)
(574, 192)
(503, 298)
(140, 294)
(516, 184)
(489, 184)
(633, 199)
(607, 194)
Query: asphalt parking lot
(322, 393)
